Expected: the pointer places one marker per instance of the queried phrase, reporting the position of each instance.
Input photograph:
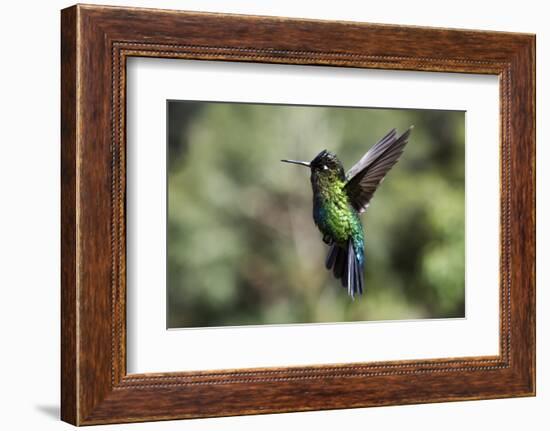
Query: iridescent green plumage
(339, 199)
(333, 212)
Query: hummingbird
(340, 198)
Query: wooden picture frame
(95, 43)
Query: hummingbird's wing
(364, 177)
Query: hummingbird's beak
(297, 162)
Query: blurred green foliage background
(242, 245)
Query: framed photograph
(263, 214)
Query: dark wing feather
(365, 176)
(372, 154)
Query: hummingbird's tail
(346, 267)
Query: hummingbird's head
(326, 163)
(323, 165)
